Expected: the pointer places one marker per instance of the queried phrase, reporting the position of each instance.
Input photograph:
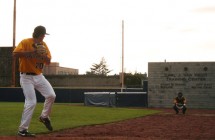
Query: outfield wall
(196, 80)
(73, 95)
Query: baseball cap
(40, 30)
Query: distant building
(55, 69)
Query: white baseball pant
(29, 83)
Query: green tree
(134, 80)
(99, 69)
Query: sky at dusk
(84, 31)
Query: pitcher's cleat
(46, 122)
(25, 133)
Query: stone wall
(196, 80)
(83, 81)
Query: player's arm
(47, 57)
(175, 101)
(185, 101)
(47, 60)
(20, 51)
(23, 53)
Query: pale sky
(84, 31)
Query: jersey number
(39, 65)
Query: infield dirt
(196, 124)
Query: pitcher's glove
(40, 50)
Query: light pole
(14, 43)
(122, 74)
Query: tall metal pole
(122, 74)
(14, 45)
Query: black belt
(28, 73)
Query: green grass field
(64, 116)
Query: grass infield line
(64, 116)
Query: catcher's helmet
(180, 94)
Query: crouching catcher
(180, 103)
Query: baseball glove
(40, 49)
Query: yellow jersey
(32, 63)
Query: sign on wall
(196, 80)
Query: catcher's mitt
(40, 49)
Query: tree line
(130, 80)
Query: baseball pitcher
(33, 54)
